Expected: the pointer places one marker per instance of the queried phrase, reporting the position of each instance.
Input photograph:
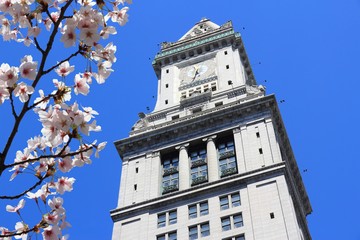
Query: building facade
(213, 160)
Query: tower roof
(199, 28)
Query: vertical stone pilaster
(212, 160)
(156, 175)
(239, 149)
(184, 169)
(274, 144)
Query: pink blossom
(69, 36)
(64, 184)
(52, 218)
(64, 69)
(99, 147)
(81, 85)
(20, 205)
(9, 74)
(104, 71)
(51, 233)
(41, 101)
(22, 91)
(28, 68)
(56, 204)
(4, 94)
(21, 227)
(65, 165)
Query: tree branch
(12, 105)
(59, 63)
(25, 108)
(26, 191)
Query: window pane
(192, 211)
(204, 208)
(224, 203)
(205, 229)
(193, 234)
(235, 199)
(172, 236)
(238, 221)
(172, 217)
(161, 237)
(161, 220)
(242, 237)
(225, 224)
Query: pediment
(204, 26)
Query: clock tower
(213, 160)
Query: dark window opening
(227, 66)
(137, 170)
(260, 151)
(225, 52)
(218, 104)
(166, 101)
(166, 85)
(167, 70)
(175, 117)
(135, 187)
(272, 215)
(258, 134)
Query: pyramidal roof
(201, 27)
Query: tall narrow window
(161, 237)
(225, 224)
(204, 208)
(227, 159)
(238, 221)
(235, 199)
(205, 229)
(172, 217)
(192, 211)
(172, 236)
(198, 166)
(224, 202)
(161, 220)
(170, 181)
(193, 233)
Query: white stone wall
(249, 140)
(169, 81)
(258, 201)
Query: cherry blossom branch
(38, 183)
(12, 234)
(37, 79)
(59, 155)
(12, 105)
(38, 47)
(59, 63)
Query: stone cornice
(195, 44)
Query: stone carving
(141, 123)
(251, 90)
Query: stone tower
(213, 160)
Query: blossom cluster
(83, 25)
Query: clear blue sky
(308, 53)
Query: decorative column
(212, 159)
(155, 175)
(184, 169)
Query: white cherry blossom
(28, 68)
(64, 69)
(20, 205)
(81, 85)
(64, 184)
(23, 91)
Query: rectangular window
(170, 181)
(192, 211)
(227, 159)
(204, 208)
(224, 203)
(205, 229)
(193, 233)
(172, 217)
(161, 220)
(225, 224)
(198, 166)
(242, 237)
(172, 236)
(235, 199)
(238, 221)
(160, 237)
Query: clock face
(197, 71)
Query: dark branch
(59, 63)
(26, 191)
